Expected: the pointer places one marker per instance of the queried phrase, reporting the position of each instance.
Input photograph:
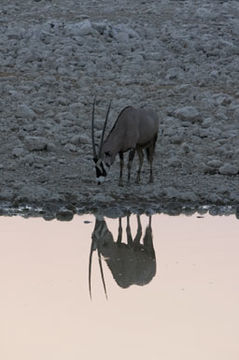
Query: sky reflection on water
(187, 310)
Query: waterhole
(159, 287)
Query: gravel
(180, 57)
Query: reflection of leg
(119, 239)
(150, 220)
(128, 232)
(148, 240)
(131, 158)
(121, 155)
(139, 232)
(141, 159)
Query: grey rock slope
(180, 57)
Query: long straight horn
(93, 128)
(105, 123)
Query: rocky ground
(180, 57)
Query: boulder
(26, 112)
(228, 169)
(35, 143)
(188, 113)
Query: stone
(18, 152)
(25, 111)
(188, 113)
(82, 28)
(64, 214)
(80, 139)
(35, 143)
(70, 148)
(214, 163)
(229, 169)
(29, 159)
(174, 162)
(51, 146)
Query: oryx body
(134, 130)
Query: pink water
(188, 311)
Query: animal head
(102, 158)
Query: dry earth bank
(180, 57)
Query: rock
(207, 123)
(80, 139)
(32, 193)
(174, 74)
(222, 99)
(101, 27)
(24, 111)
(123, 33)
(6, 194)
(237, 212)
(29, 159)
(75, 108)
(18, 152)
(102, 198)
(64, 215)
(83, 28)
(214, 163)
(209, 170)
(172, 193)
(236, 114)
(70, 148)
(63, 101)
(188, 196)
(175, 162)
(229, 169)
(188, 113)
(35, 143)
(186, 148)
(51, 146)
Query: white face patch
(100, 179)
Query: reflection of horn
(92, 129)
(90, 266)
(102, 273)
(101, 270)
(103, 132)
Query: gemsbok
(133, 130)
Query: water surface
(187, 310)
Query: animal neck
(112, 144)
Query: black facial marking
(99, 168)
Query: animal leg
(141, 160)
(121, 155)
(150, 156)
(131, 157)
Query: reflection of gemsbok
(130, 263)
